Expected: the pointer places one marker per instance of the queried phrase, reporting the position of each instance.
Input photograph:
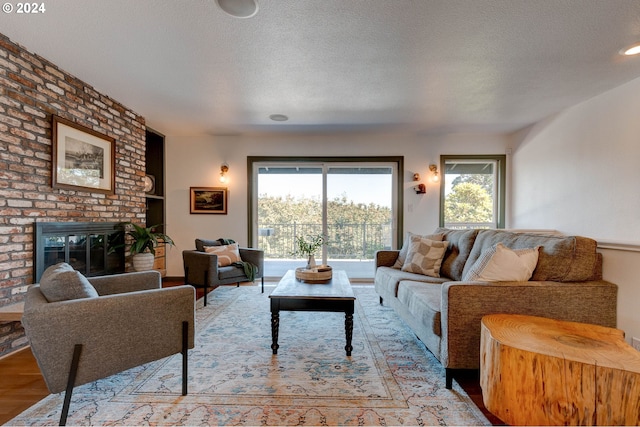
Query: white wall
(578, 172)
(195, 161)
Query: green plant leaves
(146, 239)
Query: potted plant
(145, 242)
(309, 247)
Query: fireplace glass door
(92, 249)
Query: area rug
(390, 379)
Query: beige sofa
(445, 312)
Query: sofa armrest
(465, 303)
(255, 257)
(196, 263)
(386, 258)
(117, 332)
(126, 282)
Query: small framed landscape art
(83, 159)
(208, 200)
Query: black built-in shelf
(155, 214)
(155, 167)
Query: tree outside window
(472, 192)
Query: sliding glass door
(352, 203)
(289, 204)
(359, 215)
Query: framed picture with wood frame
(83, 159)
(208, 200)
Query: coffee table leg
(348, 327)
(275, 324)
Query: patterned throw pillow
(424, 256)
(61, 282)
(227, 254)
(500, 263)
(405, 246)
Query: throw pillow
(424, 256)
(500, 263)
(227, 254)
(61, 282)
(405, 246)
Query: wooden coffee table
(294, 295)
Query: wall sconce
(434, 171)
(420, 188)
(223, 173)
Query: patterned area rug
(390, 379)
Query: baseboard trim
(173, 278)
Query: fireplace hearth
(92, 248)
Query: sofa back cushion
(460, 245)
(561, 258)
(201, 243)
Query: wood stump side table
(538, 371)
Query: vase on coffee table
(311, 262)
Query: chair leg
(263, 284)
(185, 349)
(448, 378)
(73, 370)
(206, 282)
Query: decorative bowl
(318, 274)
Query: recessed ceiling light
(633, 50)
(239, 8)
(279, 117)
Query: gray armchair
(201, 268)
(131, 321)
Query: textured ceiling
(420, 66)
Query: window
(472, 191)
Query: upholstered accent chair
(84, 329)
(203, 267)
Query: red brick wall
(33, 89)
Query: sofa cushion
(61, 282)
(423, 301)
(424, 256)
(460, 245)
(402, 255)
(227, 254)
(561, 258)
(387, 280)
(201, 243)
(231, 272)
(500, 263)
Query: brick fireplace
(92, 248)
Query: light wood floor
(21, 384)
